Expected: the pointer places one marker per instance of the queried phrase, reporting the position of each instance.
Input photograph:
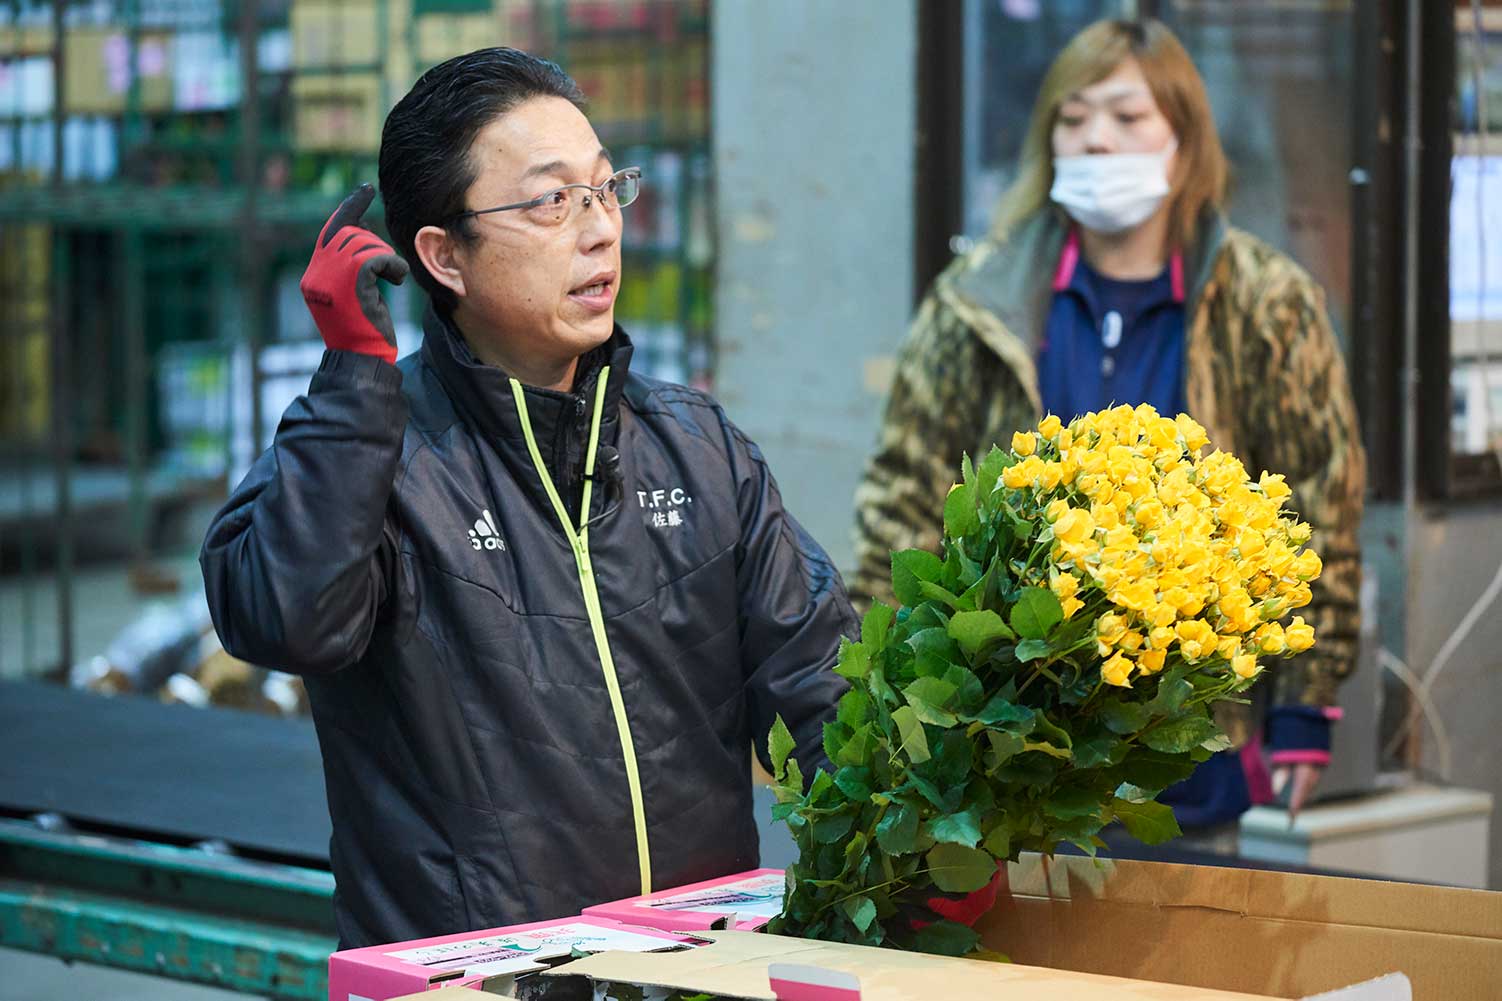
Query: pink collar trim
(1069, 259)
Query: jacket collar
(560, 421)
(1002, 288)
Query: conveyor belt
(170, 773)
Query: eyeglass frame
(533, 203)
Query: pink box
(753, 897)
(379, 972)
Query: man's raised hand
(340, 285)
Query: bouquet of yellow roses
(1102, 585)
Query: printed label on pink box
(748, 899)
(378, 972)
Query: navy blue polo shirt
(1109, 342)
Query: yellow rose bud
(1110, 627)
(1163, 616)
(1074, 526)
(1051, 475)
(1300, 634)
(1307, 565)
(1273, 486)
(1149, 513)
(1299, 532)
(1245, 665)
(1161, 638)
(1131, 640)
(1137, 596)
(1192, 650)
(1270, 639)
(1300, 596)
(1250, 544)
(1228, 646)
(1056, 509)
(1117, 671)
(1024, 443)
(1151, 661)
(1194, 434)
(1064, 585)
(1071, 605)
(1051, 426)
(1015, 477)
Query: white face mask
(1111, 192)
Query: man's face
(545, 285)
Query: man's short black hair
(425, 166)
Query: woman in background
(1111, 276)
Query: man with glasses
(543, 606)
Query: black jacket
(397, 547)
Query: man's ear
(439, 254)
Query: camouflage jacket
(1264, 375)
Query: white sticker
(529, 946)
(756, 897)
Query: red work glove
(967, 908)
(340, 285)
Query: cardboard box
(380, 972)
(750, 899)
(1274, 933)
(755, 967)
(1166, 931)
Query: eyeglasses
(561, 204)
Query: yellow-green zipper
(579, 541)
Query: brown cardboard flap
(1284, 934)
(735, 965)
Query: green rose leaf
(1037, 611)
(999, 841)
(1033, 650)
(1124, 717)
(974, 630)
(934, 592)
(960, 869)
(1148, 770)
(945, 938)
(1003, 712)
(1173, 692)
(1004, 747)
(1216, 743)
(1098, 751)
(861, 911)
(780, 744)
(914, 741)
(828, 830)
(854, 782)
(1177, 736)
(1151, 823)
(1053, 733)
(960, 516)
(857, 749)
(898, 830)
(928, 697)
(855, 660)
(1068, 804)
(909, 568)
(958, 828)
(875, 625)
(992, 466)
(855, 708)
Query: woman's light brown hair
(1091, 56)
